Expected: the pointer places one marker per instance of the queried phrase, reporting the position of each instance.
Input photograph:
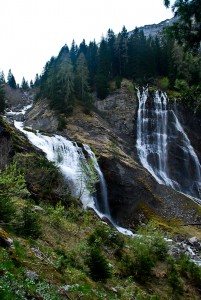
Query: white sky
(31, 31)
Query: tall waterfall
(69, 157)
(163, 147)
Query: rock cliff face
(153, 30)
(119, 109)
(110, 131)
(40, 117)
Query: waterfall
(103, 207)
(164, 148)
(69, 157)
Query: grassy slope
(58, 245)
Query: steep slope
(133, 194)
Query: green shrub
(106, 236)
(29, 222)
(181, 85)
(174, 279)
(145, 250)
(7, 209)
(12, 182)
(163, 83)
(56, 215)
(154, 237)
(190, 270)
(143, 261)
(98, 265)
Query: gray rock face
(41, 118)
(119, 109)
(134, 194)
(132, 191)
(153, 30)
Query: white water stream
(163, 147)
(69, 157)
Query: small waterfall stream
(104, 207)
(163, 147)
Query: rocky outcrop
(133, 193)
(119, 109)
(153, 30)
(41, 118)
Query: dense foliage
(79, 71)
(187, 30)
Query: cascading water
(70, 158)
(164, 148)
(103, 207)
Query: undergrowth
(72, 254)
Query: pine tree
(31, 84)
(37, 81)
(58, 84)
(73, 52)
(92, 62)
(82, 76)
(11, 80)
(83, 48)
(187, 30)
(102, 77)
(111, 38)
(24, 84)
(2, 77)
(2, 99)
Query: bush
(163, 83)
(155, 238)
(181, 85)
(190, 270)
(57, 215)
(145, 250)
(29, 222)
(143, 261)
(106, 236)
(7, 209)
(98, 265)
(174, 279)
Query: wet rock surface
(132, 191)
(190, 247)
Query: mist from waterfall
(163, 147)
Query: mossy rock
(5, 239)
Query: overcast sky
(31, 31)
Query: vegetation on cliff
(79, 71)
(51, 248)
